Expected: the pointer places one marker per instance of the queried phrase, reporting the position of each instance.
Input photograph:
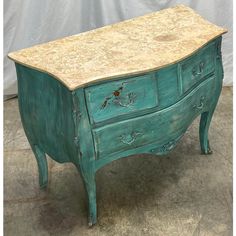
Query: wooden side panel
(46, 112)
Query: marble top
(134, 46)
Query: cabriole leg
(90, 187)
(203, 132)
(42, 166)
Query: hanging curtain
(29, 22)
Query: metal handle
(201, 104)
(125, 102)
(196, 73)
(130, 138)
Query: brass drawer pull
(125, 102)
(130, 138)
(201, 104)
(197, 71)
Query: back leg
(42, 166)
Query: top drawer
(121, 97)
(195, 68)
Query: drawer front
(121, 97)
(161, 126)
(195, 68)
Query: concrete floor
(183, 193)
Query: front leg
(88, 177)
(85, 151)
(207, 116)
(42, 166)
(206, 120)
(203, 132)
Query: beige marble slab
(130, 47)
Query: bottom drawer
(161, 125)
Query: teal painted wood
(149, 114)
(108, 100)
(42, 165)
(195, 68)
(86, 154)
(43, 103)
(159, 126)
(170, 88)
(207, 116)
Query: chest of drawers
(129, 88)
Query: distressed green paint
(120, 97)
(105, 121)
(86, 154)
(159, 126)
(207, 115)
(46, 113)
(195, 68)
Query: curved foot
(203, 132)
(91, 222)
(42, 166)
(92, 218)
(88, 177)
(207, 150)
